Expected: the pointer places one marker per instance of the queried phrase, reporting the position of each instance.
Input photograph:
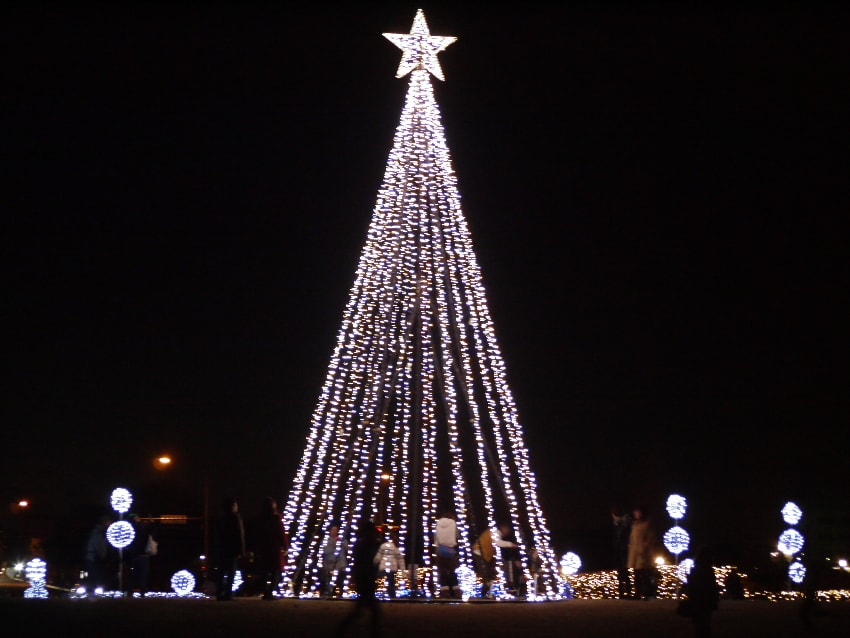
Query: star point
(419, 48)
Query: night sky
(657, 194)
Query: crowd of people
(258, 547)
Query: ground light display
(415, 416)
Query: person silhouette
(138, 557)
(95, 556)
(622, 527)
(641, 541)
(229, 546)
(446, 536)
(391, 561)
(734, 585)
(703, 593)
(484, 562)
(334, 561)
(269, 543)
(505, 539)
(365, 556)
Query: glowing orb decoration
(37, 590)
(120, 534)
(36, 573)
(676, 506)
(684, 569)
(796, 572)
(570, 563)
(791, 514)
(676, 540)
(183, 582)
(237, 580)
(121, 500)
(36, 570)
(790, 542)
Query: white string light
(416, 386)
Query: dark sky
(657, 193)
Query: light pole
(163, 462)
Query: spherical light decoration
(676, 540)
(676, 506)
(791, 513)
(121, 500)
(120, 534)
(684, 569)
(37, 590)
(36, 570)
(790, 542)
(796, 572)
(36, 574)
(183, 582)
(237, 580)
(570, 563)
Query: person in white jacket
(446, 537)
(390, 560)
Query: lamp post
(120, 533)
(791, 542)
(163, 462)
(676, 539)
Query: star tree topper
(419, 48)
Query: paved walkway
(182, 618)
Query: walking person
(138, 556)
(622, 527)
(535, 568)
(446, 537)
(229, 547)
(269, 542)
(364, 573)
(390, 561)
(505, 539)
(95, 556)
(484, 562)
(334, 562)
(641, 543)
(703, 594)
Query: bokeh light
(121, 500)
(676, 506)
(791, 513)
(676, 540)
(790, 542)
(570, 563)
(120, 534)
(182, 582)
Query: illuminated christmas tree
(415, 415)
